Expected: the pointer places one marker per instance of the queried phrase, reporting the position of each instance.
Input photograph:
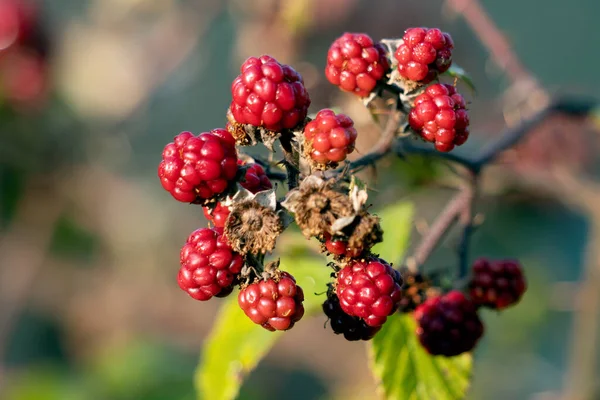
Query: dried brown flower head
(254, 224)
(317, 205)
(365, 232)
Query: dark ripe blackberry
(353, 328)
(497, 284)
(448, 325)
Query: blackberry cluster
(269, 103)
(238, 199)
(449, 324)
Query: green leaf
(595, 116)
(456, 71)
(71, 240)
(236, 345)
(312, 274)
(232, 350)
(405, 371)
(396, 222)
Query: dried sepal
(307, 149)
(416, 289)
(409, 89)
(305, 162)
(339, 224)
(249, 135)
(253, 274)
(358, 195)
(366, 233)
(225, 195)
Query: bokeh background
(89, 241)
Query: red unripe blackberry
(353, 328)
(274, 304)
(218, 215)
(255, 180)
(17, 22)
(208, 265)
(448, 325)
(269, 94)
(423, 54)
(355, 63)
(369, 289)
(23, 77)
(196, 168)
(497, 284)
(439, 116)
(329, 137)
(340, 248)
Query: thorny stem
(444, 221)
(576, 107)
(384, 144)
(496, 43)
(255, 264)
(405, 147)
(461, 206)
(276, 176)
(466, 222)
(291, 161)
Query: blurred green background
(89, 241)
